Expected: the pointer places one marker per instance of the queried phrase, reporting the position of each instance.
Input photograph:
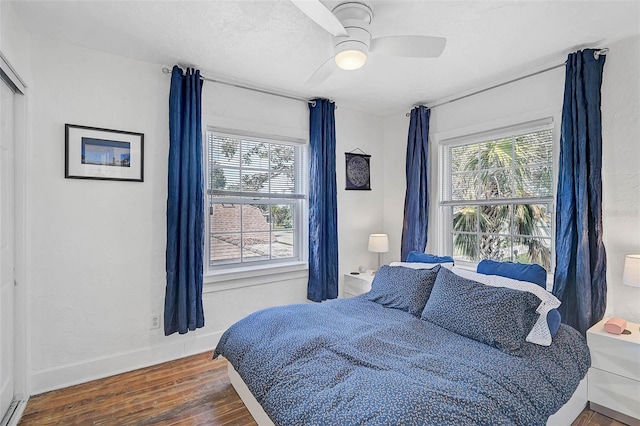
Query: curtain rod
(166, 70)
(596, 55)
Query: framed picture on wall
(358, 172)
(104, 154)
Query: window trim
(498, 128)
(232, 272)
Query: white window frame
(234, 275)
(505, 127)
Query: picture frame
(358, 172)
(103, 154)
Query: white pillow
(419, 265)
(539, 334)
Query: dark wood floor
(189, 391)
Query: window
(256, 199)
(498, 195)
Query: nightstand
(614, 376)
(357, 284)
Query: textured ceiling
(271, 44)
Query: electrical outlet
(155, 321)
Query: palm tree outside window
(498, 194)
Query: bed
(360, 361)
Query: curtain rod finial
(600, 52)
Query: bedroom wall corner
(395, 131)
(15, 41)
(360, 213)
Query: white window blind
(498, 191)
(257, 193)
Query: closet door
(7, 249)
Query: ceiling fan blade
(321, 16)
(409, 46)
(322, 73)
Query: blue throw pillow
(523, 272)
(517, 271)
(403, 288)
(497, 316)
(554, 318)
(416, 256)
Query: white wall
(541, 96)
(395, 134)
(359, 212)
(621, 171)
(98, 246)
(15, 41)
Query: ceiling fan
(349, 24)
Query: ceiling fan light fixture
(351, 59)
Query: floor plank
(191, 391)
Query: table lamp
(631, 274)
(379, 243)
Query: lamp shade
(631, 274)
(379, 243)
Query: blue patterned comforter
(352, 361)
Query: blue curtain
(323, 210)
(580, 275)
(185, 205)
(416, 199)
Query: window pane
(464, 158)
(533, 250)
(496, 184)
(256, 246)
(537, 181)
(282, 216)
(465, 247)
(225, 218)
(465, 218)
(534, 148)
(225, 248)
(283, 182)
(496, 154)
(532, 219)
(255, 154)
(224, 151)
(464, 186)
(495, 219)
(224, 178)
(282, 244)
(255, 217)
(494, 247)
(255, 181)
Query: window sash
(468, 191)
(294, 182)
(447, 189)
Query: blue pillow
(416, 256)
(553, 321)
(402, 288)
(517, 271)
(523, 272)
(497, 316)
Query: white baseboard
(73, 374)
(16, 413)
